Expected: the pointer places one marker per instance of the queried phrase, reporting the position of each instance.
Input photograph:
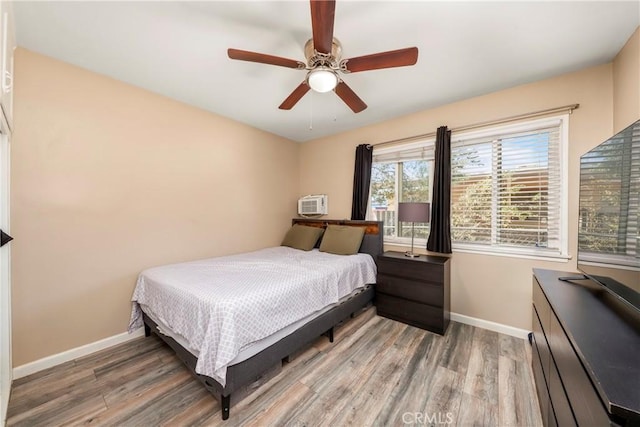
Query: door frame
(6, 375)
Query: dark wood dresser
(414, 291)
(586, 353)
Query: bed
(306, 294)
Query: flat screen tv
(609, 215)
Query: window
(400, 175)
(508, 190)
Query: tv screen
(609, 212)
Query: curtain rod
(568, 108)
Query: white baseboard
(74, 353)
(492, 326)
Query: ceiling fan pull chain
(311, 113)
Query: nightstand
(414, 291)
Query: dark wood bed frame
(252, 369)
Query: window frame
(562, 255)
(496, 249)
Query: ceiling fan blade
(390, 59)
(322, 17)
(350, 98)
(295, 96)
(245, 55)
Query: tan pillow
(342, 240)
(302, 237)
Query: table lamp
(413, 212)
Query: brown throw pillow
(342, 240)
(302, 237)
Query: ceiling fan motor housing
(315, 59)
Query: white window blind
(507, 188)
(399, 155)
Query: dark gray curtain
(440, 234)
(361, 181)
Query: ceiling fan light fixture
(322, 80)
(323, 54)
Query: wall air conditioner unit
(313, 205)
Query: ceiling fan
(324, 60)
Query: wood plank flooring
(378, 372)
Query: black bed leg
(147, 330)
(330, 334)
(225, 403)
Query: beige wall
(626, 84)
(493, 288)
(108, 179)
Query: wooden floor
(377, 372)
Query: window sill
(508, 253)
(512, 253)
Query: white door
(5, 282)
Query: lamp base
(410, 254)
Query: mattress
(220, 306)
(251, 349)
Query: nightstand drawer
(427, 293)
(415, 270)
(412, 313)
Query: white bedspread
(222, 304)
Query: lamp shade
(322, 80)
(414, 212)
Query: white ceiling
(179, 49)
